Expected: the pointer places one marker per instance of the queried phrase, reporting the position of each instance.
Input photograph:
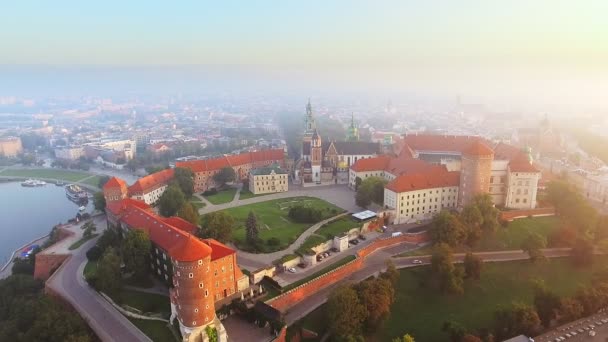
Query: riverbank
(5, 271)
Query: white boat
(81, 209)
(29, 183)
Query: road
(376, 263)
(107, 322)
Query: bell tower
(316, 156)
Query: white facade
(69, 153)
(352, 176)
(152, 196)
(423, 204)
(596, 188)
(270, 183)
(521, 193)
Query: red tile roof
(180, 245)
(478, 148)
(180, 223)
(115, 182)
(371, 164)
(421, 181)
(119, 207)
(504, 151)
(219, 249)
(440, 143)
(150, 182)
(521, 163)
(232, 161)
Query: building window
(193, 322)
(196, 310)
(200, 262)
(191, 275)
(200, 285)
(206, 293)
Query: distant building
(159, 148)
(328, 162)
(69, 152)
(242, 164)
(435, 172)
(150, 188)
(10, 146)
(267, 180)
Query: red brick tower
(193, 289)
(475, 171)
(115, 190)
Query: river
(29, 213)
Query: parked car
(292, 270)
(354, 242)
(416, 262)
(361, 237)
(302, 265)
(335, 250)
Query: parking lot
(592, 328)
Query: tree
(189, 213)
(377, 295)
(358, 182)
(102, 181)
(533, 245)
(108, 238)
(488, 212)
(516, 319)
(470, 338)
(99, 201)
(472, 220)
(454, 329)
(582, 252)
(184, 178)
(546, 303)
(570, 310)
(391, 273)
(216, 225)
(223, 176)
(447, 228)
(571, 206)
(447, 276)
(345, 312)
(136, 251)
(89, 229)
(251, 226)
(171, 201)
(108, 275)
(363, 198)
(472, 266)
(405, 338)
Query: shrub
(273, 241)
(210, 192)
(94, 253)
(302, 214)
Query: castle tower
(192, 295)
(352, 134)
(309, 128)
(115, 190)
(475, 171)
(316, 156)
(309, 119)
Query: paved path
(339, 195)
(376, 263)
(204, 200)
(267, 258)
(106, 321)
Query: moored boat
(75, 193)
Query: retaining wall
(511, 215)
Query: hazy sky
(483, 41)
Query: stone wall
(511, 215)
(291, 297)
(45, 263)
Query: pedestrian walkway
(204, 200)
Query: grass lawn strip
(93, 181)
(64, 175)
(319, 273)
(248, 194)
(223, 196)
(80, 242)
(89, 269)
(337, 227)
(145, 302)
(274, 221)
(310, 242)
(197, 204)
(157, 331)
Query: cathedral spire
(309, 119)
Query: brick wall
(45, 263)
(383, 243)
(511, 215)
(289, 298)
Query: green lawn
(223, 196)
(89, 269)
(310, 242)
(337, 227)
(506, 238)
(93, 181)
(197, 204)
(248, 194)
(64, 175)
(274, 221)
(146, 302)
(420, 310)
(80, 242)
(157, 331)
